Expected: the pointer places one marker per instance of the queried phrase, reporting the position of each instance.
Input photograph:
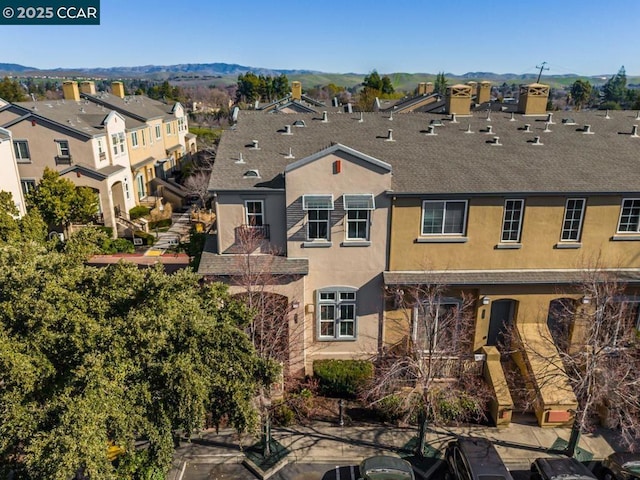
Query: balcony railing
(63, 160)
(251, 231)
(102, 155)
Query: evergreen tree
(440, 85)
(581, 93)
(11, 90)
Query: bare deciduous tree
(198, 184)
(432, 371)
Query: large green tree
(92, 357)
(60, 201)
(11, 90)
(440, 85)
(581, 93)
(615, 90)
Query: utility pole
(541, 67)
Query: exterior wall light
(295, 305)
(485, 300)
(586, 299)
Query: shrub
(139, 212)
(342, 378)
(147, 238)
(165, 222)
(107, 230)
(122, 245)
(283, 415)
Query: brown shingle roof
(451, 162)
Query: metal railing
(63, 160)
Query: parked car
(621, 466)
(560, 469)
(385, 467)
(475, 459)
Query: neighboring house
(512, 209)
(298, 102)
(158, 137)
(10, 178)
(82, 141)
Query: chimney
(422, 88)
(474, 88)
(117, 88)
(459, 99)
(429, 88)
(533, 99)
(70, 91)
(484, 92)
(88, 87)
(296, 90)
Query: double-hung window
(21, 149)
(134, 139)
(358, 208)
(573, 216)
(444, 217)
(512, 220)
(318, 208)
(629, 216)
(168, 128)
(437, 326)
(337, 313)
(254, 210)
(63, 148)
(158, 132)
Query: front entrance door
(502, 312)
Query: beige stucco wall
(543, 217)
(360, 267)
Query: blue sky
(588, 37)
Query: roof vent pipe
(240, 159)
(468, 129)
(489, 130)
(255, 145)
(453, 118)
(287, 130)
(606, 115)
(325, 119)
(361, 117)
(587, 130)
(513, 117)
(496, 142)
(550, 119)
(390, 136)
(638, 115)
(527, 127)
(536, 141)
(634, 131)
(431, 130)
(256, 105)
(488, 115)
(290, 154)
(546, 127)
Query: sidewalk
(178, 232)
(518, 445)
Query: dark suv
(560, 469)
(475, 459)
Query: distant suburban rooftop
(140, 107)
(431, 155)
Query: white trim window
(512, 220)
(629, 216)
(181, 124)
(134, 139)
(318, 208)
(444, 217)
(168, 128)
(158, 132)
(436, 326)
(21, 150)
(28, 185)
(254, 213)
(337, 313)
(117, 140)
(63, 148)
(573, 217)
(358, 208)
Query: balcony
(63, 160)
(247, 232)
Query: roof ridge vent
(431, 130)
(587, 130)
(453, 118)
(290, 154)
(527, 128)
(361, 117)
(287, 130)
(606, 115)
(389, 136)
(495, 142)
(546, 127)
(240, 159)
(513, 117)
(325, 117)
(550, 119)
(489, 130)
(468, 130)
(634, 131)
(536, 141)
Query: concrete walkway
(518, 445)
(178, 232)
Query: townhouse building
(510, 208)
(10, 178)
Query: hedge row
(342, 378)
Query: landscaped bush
(342, 378)
(147, 238)
(139, 212)
(122, 245)
(283, 415)
(165, 222)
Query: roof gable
(338, 148)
